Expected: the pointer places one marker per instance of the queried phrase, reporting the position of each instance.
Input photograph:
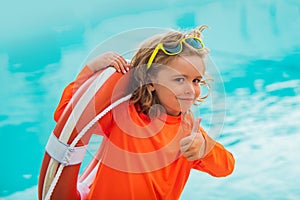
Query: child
(152, 140)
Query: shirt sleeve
(103, 125)
(217, 161)
(70, 90)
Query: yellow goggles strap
(161, 46)
(154, 53)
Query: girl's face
(178, 84)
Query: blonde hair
(140, 80)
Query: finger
(122, 60)
(196, 124)
(184, 148)
(189, 154)
(187, 140)
(110, 60)
(122, 64)
(112, 56)
(117, 63)
(129, 66)
(192, 158)
(116, 66)
(187, 144)
(123, 67)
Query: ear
(151, 87)
(150, 84)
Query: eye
(197, 81)
(180, 80)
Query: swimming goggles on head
(175, 47)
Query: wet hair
(142, 96)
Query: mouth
(186, 99)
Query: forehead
(186, 65)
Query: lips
(187, 99)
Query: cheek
(168, 90)
(164, 94)
(197, 91)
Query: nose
(190, 88)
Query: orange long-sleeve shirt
(142, 158)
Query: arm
(99, 63)
(70, 90)
(70, 173)
(217, 161)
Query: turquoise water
(254, 44)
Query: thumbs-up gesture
(193, 146)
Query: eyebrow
(200, 77)
(176, 75)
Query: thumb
(196, 124)
(189, 139)
(187, 142)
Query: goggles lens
(172, 48)
(175, 47)
(194, 42)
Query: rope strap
(64, 153)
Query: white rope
(79, 136)
(99, 116)
(83, 102)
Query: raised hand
(193, 146)
(109, 59)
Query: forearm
(70, 90)
(217, 161)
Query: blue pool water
(254, 44)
